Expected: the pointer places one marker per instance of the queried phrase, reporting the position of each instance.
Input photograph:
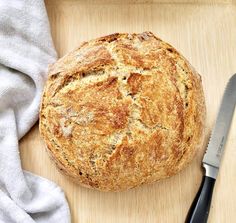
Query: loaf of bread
(122, 110)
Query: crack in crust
(122, 110)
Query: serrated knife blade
(219, 134)
(199, 210)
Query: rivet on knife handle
(199, 210)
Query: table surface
(205, 33)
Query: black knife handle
(199, 210)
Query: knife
(199, 210)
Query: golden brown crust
(122, 110)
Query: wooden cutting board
(206, 35)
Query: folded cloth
(26, 49)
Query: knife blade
(213, 155)
(199, 210)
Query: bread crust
(122, 110)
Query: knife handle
(199, 210)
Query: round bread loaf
(121, 111)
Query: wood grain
(206, 35)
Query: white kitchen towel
(26, 49)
